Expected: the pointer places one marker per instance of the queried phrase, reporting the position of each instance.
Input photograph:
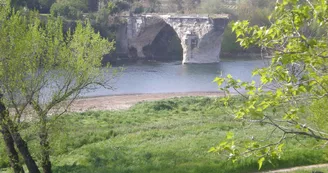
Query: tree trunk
(16, 137)
(9, 142)
(23, 149)
(45, 160)
(11, 151)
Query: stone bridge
(200, 36)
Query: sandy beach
(119, 102)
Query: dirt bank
(118, 102)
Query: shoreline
(125, 101)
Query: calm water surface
(167, 77)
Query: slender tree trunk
(23, 149)
(45, 147)
(11, 151)
(9, 141)
(16, 137)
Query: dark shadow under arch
(165, 46)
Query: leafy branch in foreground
(42, 71)
(290, 88)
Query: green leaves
(238, 26)
(289, 88)
(219, 81)
(230, 135)
(41, 67)
(260, 162)
(227, 146)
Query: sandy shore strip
(119, 102)
(300, 168)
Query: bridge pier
(202, 50)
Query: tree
(9, 141)
(292, 90)
(42, 71)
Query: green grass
(164, 136)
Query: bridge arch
(153, 38)
(200, 36)
(166, 45)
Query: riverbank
(119, 102)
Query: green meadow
(166, 136)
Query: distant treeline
(74, 8)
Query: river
(167, 77)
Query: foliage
(121, 5)
(290, 89)
(214, 7)
(163, 136)
(255, 11)
(176, 4)
(230, 45)
(154, 6)
(189, 6)
(41, 68)
(41, 5)
(104, 22)
(71, 9)
(44, 5)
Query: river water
(167, 77)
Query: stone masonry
(200, 35)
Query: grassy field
(164, 136)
